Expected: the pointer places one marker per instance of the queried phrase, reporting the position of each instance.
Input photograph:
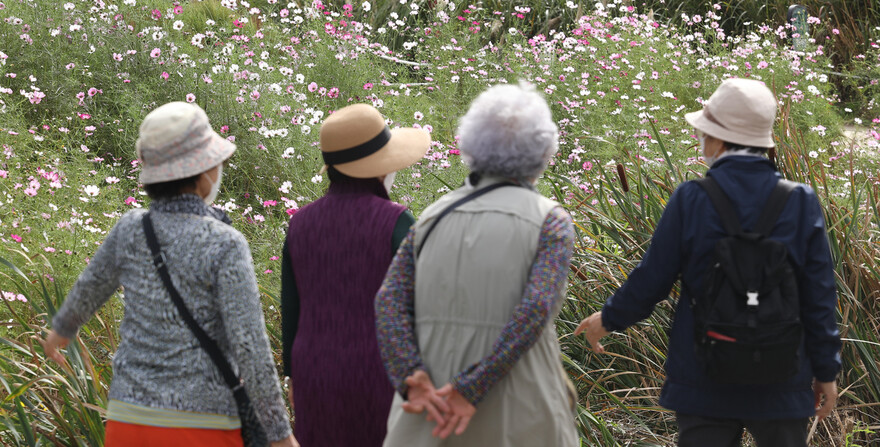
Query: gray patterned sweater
(159, 362)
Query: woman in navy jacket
(735, 131)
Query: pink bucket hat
(741, 111)
(176, 141)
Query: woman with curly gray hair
(470, 299)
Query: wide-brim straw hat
(176, 141)
(356, 141)
(741, 111)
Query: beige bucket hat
(176, 141)
(356, 141)
(741, 111)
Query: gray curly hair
(508, 131)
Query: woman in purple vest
(337, 251)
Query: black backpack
(747, 321)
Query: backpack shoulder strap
(722, 205)
(774, 206)
(457, 204)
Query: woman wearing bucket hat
(335, 256)
(470, 300)
(166, 389)
(735, 129)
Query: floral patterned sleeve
(546, 278)
(395, 318)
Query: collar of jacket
(189, 204)
(744, 162)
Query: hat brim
(406, 146)
(700, 122)
(215, 151)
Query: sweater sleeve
(289, 308)
(92, 289)
(239, 305)
(395, 318)
(819, 299)
(531, 316)
(650, 282)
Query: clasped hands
(445, 405)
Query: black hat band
(360, 151)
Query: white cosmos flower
(91, 190)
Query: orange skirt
(121, 434)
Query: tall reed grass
(41, 402)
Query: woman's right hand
(52, 344)
(421, 396)
(289, 441)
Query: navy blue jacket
(683, 244)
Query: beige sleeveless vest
(470, 276)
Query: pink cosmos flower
(117, 57)
(164, 75)
(156, 14)
(15, 237)
(313, 86)
(130, 200)
(368, 86)
(155, 53)
(37, 97)
(49, 250)
(190, 97)
(93, 91)
(333, 92)
(268, 203)
(178, 9)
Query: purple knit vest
(340, 248)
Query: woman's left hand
(592, 328)
(460, 412)
(52, 344)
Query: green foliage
(42, 403)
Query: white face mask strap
(389, 181)
(709, 160)
(215, 187)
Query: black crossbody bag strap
(208, 344)
(458, 203)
